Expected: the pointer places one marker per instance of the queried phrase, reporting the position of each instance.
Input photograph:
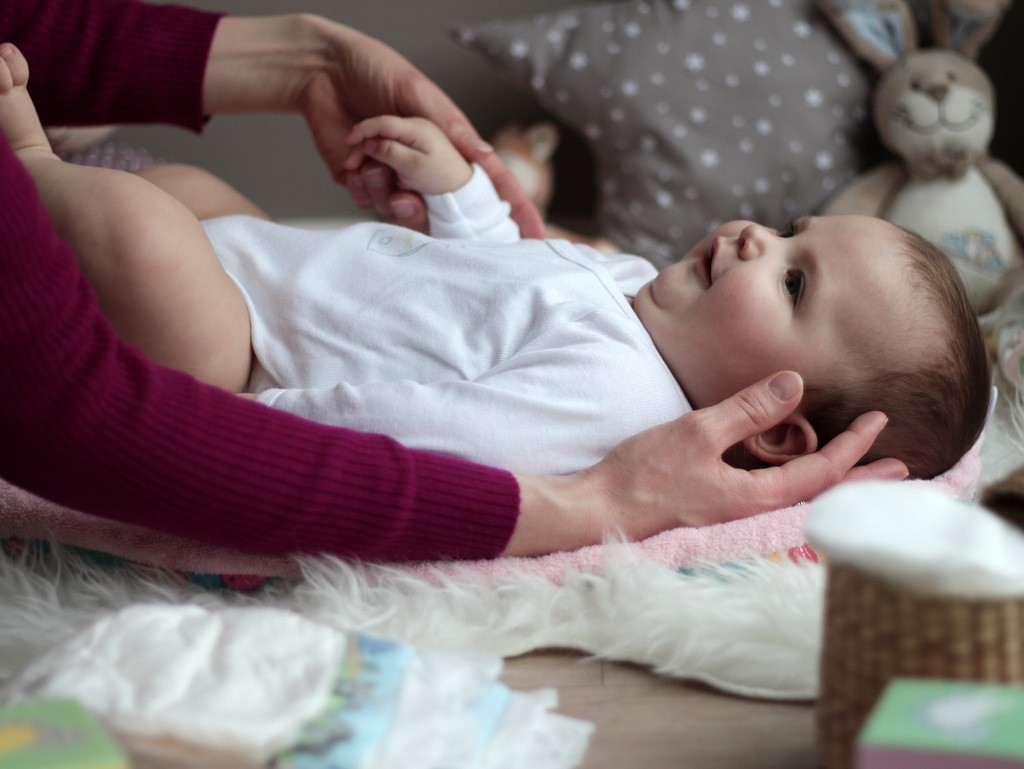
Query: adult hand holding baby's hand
(421, 157)
(335, 76)
(674, 474)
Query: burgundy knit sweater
(87, 421)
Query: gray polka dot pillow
(696, 111)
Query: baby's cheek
(754, 346)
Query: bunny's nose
(937, 92)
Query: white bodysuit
(522, 354)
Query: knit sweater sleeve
(89, 422)
(112, 61)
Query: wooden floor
(647, 722)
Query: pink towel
(776, 532)
(26, 516)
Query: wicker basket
(875, 631)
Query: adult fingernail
(475, 143)
(402, 209)
(377, 179)
(785, 386)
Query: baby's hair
(937, 410)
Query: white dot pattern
(697, 111)
(113, 154)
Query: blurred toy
(935, 108)
(528, 152)
(942, 722)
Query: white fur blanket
(753, 632)
(737, 606)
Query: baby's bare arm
(422, 157)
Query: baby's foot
(18, 118)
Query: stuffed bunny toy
(528, 154)
(935, 109)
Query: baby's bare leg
(205, 195)
(154, 270)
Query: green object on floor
(55, 734)
(942, 724)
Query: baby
(537, 356)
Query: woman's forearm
(556, 513)
(263, 64)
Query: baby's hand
(419, 153)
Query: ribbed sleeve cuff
(113, 61)
(466, 511)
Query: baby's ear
(787, 440)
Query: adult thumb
(758, 407)
(476, 150)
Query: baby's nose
(751, 241)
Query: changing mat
(27, 517)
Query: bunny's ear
(966, 25)
(879, 31)
(543, 141)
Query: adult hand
(335, 77)
(674, 475)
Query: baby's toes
(6, 79)
(13, 67)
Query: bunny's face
(935, 110)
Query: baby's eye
(793, 282)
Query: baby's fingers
(384, 127)
(394, 154)
(357, 156)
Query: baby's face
(748, 301)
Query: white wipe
(919, 538)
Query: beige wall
(272, 159)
